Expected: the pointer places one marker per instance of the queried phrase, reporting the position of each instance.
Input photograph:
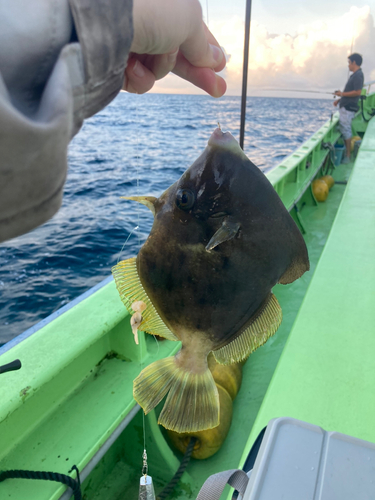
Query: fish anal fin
(253, 336)
(192, 403)
(131, 292)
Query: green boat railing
(294, 175)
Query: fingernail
(138, 70)
(216, 53)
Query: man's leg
(348, 145)
(345, 125)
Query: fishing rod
(245, 66)
(245, 70)
(299, 90)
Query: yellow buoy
(353, 141)
(320, 190)
(228, 376)
(329, 180)
(208, 441)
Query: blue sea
(137, 145)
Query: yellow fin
(193, 400)
(256, 334)
(149, 201)
(131, 290)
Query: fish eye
(185, 199)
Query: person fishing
(348, 104)
(62, 62)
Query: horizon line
(231, 95)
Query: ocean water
(137, 145)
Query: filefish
(220, 241)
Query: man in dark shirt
(348, 104)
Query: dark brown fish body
(216, 292)
(220, 241)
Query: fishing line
(137, 168)
(351, 47)
(157, 343)
(144, 468)
(136, 228)
(298, 90)
(145, 480)
(146, 488)
(127, 239)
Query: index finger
(204, 78)
(202, 49)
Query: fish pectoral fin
(192, 403)
(135, 298)
(255, 334)
(149, 201)
(227, 231)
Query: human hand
(335, 103)
(170, 35)
(338, 93)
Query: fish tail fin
(192, 403)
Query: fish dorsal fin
(131, 290)
(253, 336)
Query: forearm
(352, 93)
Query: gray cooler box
(301, 461)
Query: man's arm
(351, 93)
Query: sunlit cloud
(315, 57)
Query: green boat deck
(326, 374)
(75, 387)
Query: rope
(184, 463)
(74, 484)
(328, 166)
(371, 113)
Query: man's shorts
(345, 123)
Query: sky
(294, 45)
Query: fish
(220, 241)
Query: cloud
(315, 57)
